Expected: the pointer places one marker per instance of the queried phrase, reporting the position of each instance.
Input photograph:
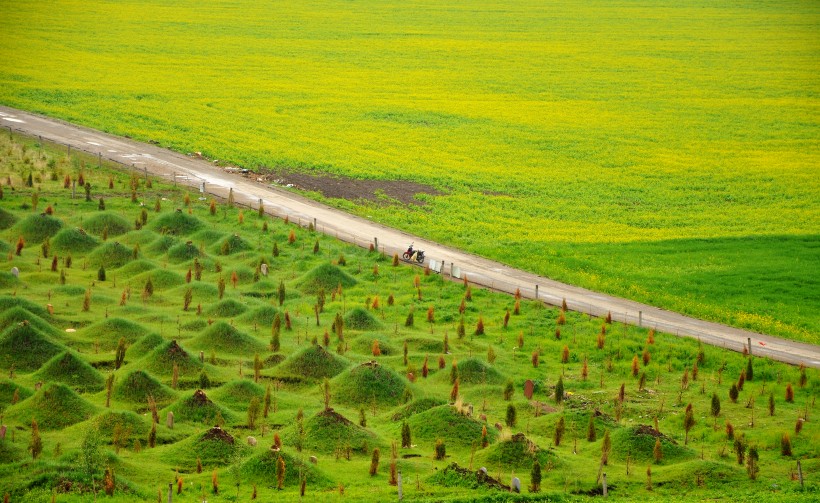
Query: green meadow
(136, 301)
(665, 153)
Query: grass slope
(68, 368)
(224, 338)
(55, 406)
(25, 347)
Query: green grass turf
(162, 359)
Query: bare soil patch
(381, 192)
(217, 433)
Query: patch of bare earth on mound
(381, 192)
(218, 434)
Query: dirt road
(204, 176)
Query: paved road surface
(278, 201)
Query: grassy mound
(70, 369)
(264, 286)
(447, 423)
(223, 338)
(233, 244)
(12, 452)
(198, 408)
(237, 394)
(19, 314)
(417, 406)
(7, 389)
(261, 469)
(263, 316)
(215, 447)
(176, 223)
(517, 451)
(327, 276)
(161, 245)
(144, 345)
(8, 280)
(111, 255)
(74, 241)
(7, 219)
(26, 348)
(70, 290)
(107, 422)
(10, 301)
(364, 345)
(181, 252)
(208, 235)
(195, 325)
(639, 443)
(715, 472)
(108, 332)
(227, 308)
(475, 371)
(162, 279)
(142, 237)
(199, 290)
(367, 382)
(329, 430)
(137, 385)
(100, 222)
(161, 361)
(36, 228)
(136, 267)
(55, 406)
(360, 319)
(313, 362)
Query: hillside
(96, 351)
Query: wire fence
(451, 271)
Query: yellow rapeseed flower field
(667, 152)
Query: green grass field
(50, 334)
(666, 153)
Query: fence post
(800, 473)
(375, 243)
(99, 159)
(749, 340)
(69, 149)
(605, 492)
(536, 292)
(170, 492)
(640, 318)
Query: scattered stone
(252, 441)
(516, 485)
(498, 426)
(314, 460)
(169, 420)
(483, 417)
(15, 272)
